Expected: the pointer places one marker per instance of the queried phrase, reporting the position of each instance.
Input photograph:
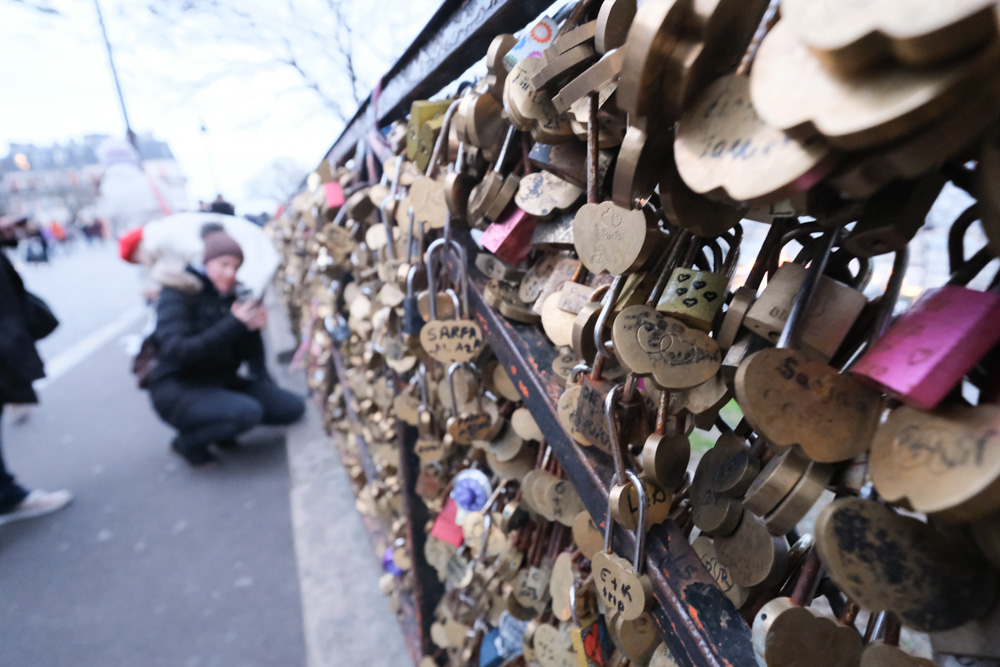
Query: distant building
(63, 182)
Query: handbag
(145, 361)
(41, 320)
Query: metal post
(114, 72)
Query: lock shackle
(809, 282)
(640, 537)
(801, 233)
(610, 297)
(694, 248)
(614, 432)
(578, 370)
(456, 166)
(572, 603)
(421, 376)
(411, 276)
(338, 219)
(840, 261)
(432, 250)
(734, 240)
(394, 188)
(762, 263)
(411, 217)
(608, 520)
(487, 524)
(390, 246)
(971, 268)
(511, 130)
(956, 236)
(463, 277)
(864, 276)
(677, 242)
(717, 258)
(495, 496)
(442, 138)
(893, 288)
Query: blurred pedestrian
(220, 205)
(203, 339)
(20, 365)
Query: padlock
(489, 198)
(429, 447)
(509, 238)
(452, 340)
(465, 428)
(929, 348)
(787, 629)
(791, 399)
(695, 297)
(829, 317)
(422, 111)
(627, 499)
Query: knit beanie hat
(219, 243)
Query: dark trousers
(219, 413)
(11, 493)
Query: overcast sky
(56, 85)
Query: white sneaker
(38, 503)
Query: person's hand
(258, 320)
(244, 311)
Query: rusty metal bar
(457, 36)
(696, 621)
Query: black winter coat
(20, 364)
(200, 344)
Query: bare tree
(279, 179)
(44, 6)
(327, 47)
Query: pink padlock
(930, 348)
(334, 195)
(510, 237)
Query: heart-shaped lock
(753, 556)
(945, 462)
(795, 401)
(793, 90)
(543, 193)
(724, 150)
(802, 637)
(429, 206)
(650, 343)
(718, 485)
(878, 654)
(884, 561)
(851, 37)
(553, 648)
(607, 576)
(609, 238)
(638, 637)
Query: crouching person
(203, 338)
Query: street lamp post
(114, 72)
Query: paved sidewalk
(260, 562)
